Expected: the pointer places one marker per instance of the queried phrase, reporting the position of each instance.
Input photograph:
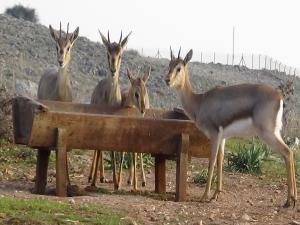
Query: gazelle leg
(92, 166)
(219, 169)
(275, 141)
(120, 170)
(113, 163)
(212, 161)
(67, 169)
(94, 176)
(134, 172)
(102, 177)
(130, 177)
(142, 170)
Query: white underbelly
(239, 128)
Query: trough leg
(160, 174)
(41, 170)
(61, 160)
(181, 168)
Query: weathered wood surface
(96, 127)
(181, 168)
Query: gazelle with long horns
(135, 97)
(108, 92)
(234, 111)
(55, 84)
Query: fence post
(270, 63)
(259, 61)
(252, 61)
(227, 59)
(265, 62)
(214, 57)
(201, 57)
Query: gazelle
(108, 92)
(135, 97)
(224, 112)
(55, 84)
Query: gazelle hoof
(102, 180)
(204, 198)
(90, 179)
(288, 203)
(143, 184)
(216, 195)
(129, 183)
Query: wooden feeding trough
(58, 125)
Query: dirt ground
(246, 199)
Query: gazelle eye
(178, 69)
(68, 49)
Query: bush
(249, 158)
(147, 159)
(201, 178)
(5, 112)
(21, 12)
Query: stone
(246, 217)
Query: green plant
(147, 159)
(247, 159)
(43, 211)
(201, 178)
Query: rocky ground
(247, 199)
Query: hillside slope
(26, 50)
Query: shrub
(6, 96)
(248, 159)
(201, 178)
(21, 12)
(147, 159)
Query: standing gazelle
(224, 112)
(108, 92)
(55, 84)
(135, 97)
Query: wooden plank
(41, 170)
(23, 110)
(181, 168)
(117, 132)
(61, 160)
(44, 133)
(160, 174)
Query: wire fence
(251, 61)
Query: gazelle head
(177, 69)
(138, 91)
(114, 52)
(63, 44)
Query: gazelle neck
(63, 83)
(188, 97)
(114, 93)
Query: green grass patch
(41, 211)
(201, 178)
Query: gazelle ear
(146, 75)
(171, 54)
(125, 40)
(104, 40)
(53, 33)
(129, 75)
(74, 36)
(188, 57)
